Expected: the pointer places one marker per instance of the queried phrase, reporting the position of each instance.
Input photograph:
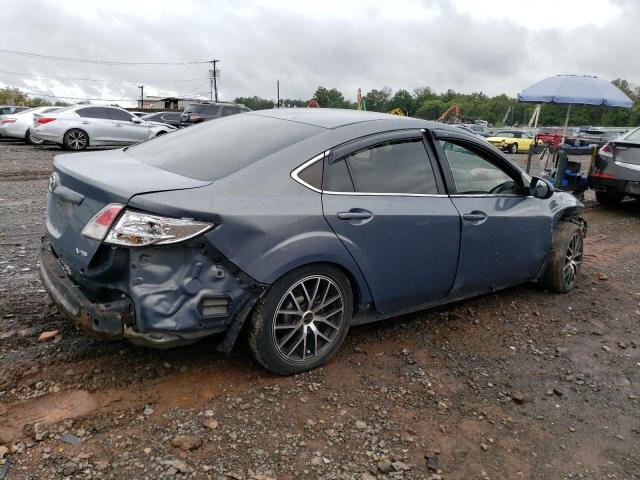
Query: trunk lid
(83, 183)
(626, 152)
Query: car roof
(332, 118)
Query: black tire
(270, 344)
(609, 198)
(513, 148)
(75, 140)
(565, 256)
(31, 140)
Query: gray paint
(417, 251)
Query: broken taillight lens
(137, 229)
(98, 226)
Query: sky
(493, 46)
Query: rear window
(214, 150)
(634, 135)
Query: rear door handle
(475, 217)
(355, 214)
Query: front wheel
(513, 148)
(302, 320)
(75, 139)
(564, 265)
(609, 198)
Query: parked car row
(81, 126)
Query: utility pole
(278, 89)
(141, 87)
(213, 80)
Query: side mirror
(541, 188)
(135, 119)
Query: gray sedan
(296, 224)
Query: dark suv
(201, 112)
(616, 170)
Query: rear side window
(121, 115)
(312, 175)
(226, 111)
(93, 112)
(399, 166)
(214, 150)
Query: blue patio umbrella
(575, 90)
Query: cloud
(464, 45)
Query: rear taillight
(137, 229)
(196, 117)
(7, 120)
(606, 151)
(43, 120)
(98, 226)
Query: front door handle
(355, 214)
(476, 217)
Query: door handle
(118, 125)
(355, 214)
(476, 217)
(85, 123)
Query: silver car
(19, 125)
(81, 126)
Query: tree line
(428, 104)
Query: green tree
(378, 100)
(330, 98)
(13, 96)
(255, 102)
(404, 101)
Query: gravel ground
(520, 384)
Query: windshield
(214, 150)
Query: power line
(97, 62)
(99, 80)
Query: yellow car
(512, 141)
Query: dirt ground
(520, 384)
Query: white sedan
(81, 126)
(19, 125)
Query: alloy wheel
(77, 140)
(308, 318)
(33, 139)
(572, 260)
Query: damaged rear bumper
(102, 319)
(153, 302)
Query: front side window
(473, 173)
(505, 134)
(398, 166)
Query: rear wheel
(564, 265)
(513, 148)
(302, 320)
(32, 139)
(75, 139)
(609, 198)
